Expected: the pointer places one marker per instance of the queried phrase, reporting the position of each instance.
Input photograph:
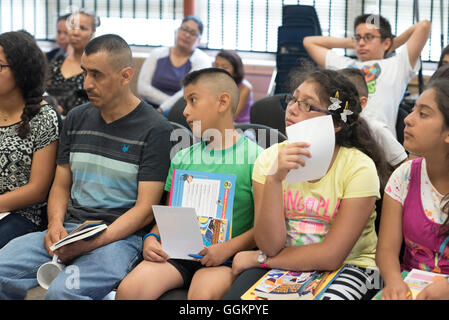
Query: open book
(279, 284)
(86, 230)
(417, 280)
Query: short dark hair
(196, 20)
(441, 73)
(357, 78)
(194, 76)
(444, 52)
(236, 62)
(384, 26)
(112, 44)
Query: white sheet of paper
(179, 230)
(319, 133)
(4, 214)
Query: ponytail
(32, 107)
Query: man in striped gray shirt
(113, 159)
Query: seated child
(231, 62)
(415, 206)
(325, 223)
(212, 97)
(394, 152)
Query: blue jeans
(13, 226)
(90, 276)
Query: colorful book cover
(279, 284)
(212, 196)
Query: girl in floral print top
(415, 205)
(28, 136)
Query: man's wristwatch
(261, 259)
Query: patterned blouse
(68, 91)
(16, 155)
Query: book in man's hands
(88, 229)
(279, 284)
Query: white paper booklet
(4, 214)
(87, 229)
(179, 231)
(319, 133)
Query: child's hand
(396, 291)
(290, 158)
(244, 260)
(214, 255)
(152, 250)
(439, 290)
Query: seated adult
(113, 160)
(28, 137)
(387, 78)
(62, 39)
(66, 75)
(160, 77)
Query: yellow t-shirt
(310, 208)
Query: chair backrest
(400, 125)
(270, 112)
(263, 135)
(176, 113)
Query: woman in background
(160, 77)
(28, 137)
(66, 76)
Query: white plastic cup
(48, 272)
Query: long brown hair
(441, 88)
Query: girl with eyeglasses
(159, 81)
(28, 137)
(326, 223)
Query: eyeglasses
(4, 66)
(189, 31)
(366, 38)
(303, 106)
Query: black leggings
(353, 283)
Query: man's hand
(53, 235)
(73, 250)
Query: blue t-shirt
(167, 77)
(108, 160)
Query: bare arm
(57, 205)
(269, 220)
(329, 254)
(41, 177)
(416, 37)
(318, 46)
(149, 193)
(388, 248)
(245, 92)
